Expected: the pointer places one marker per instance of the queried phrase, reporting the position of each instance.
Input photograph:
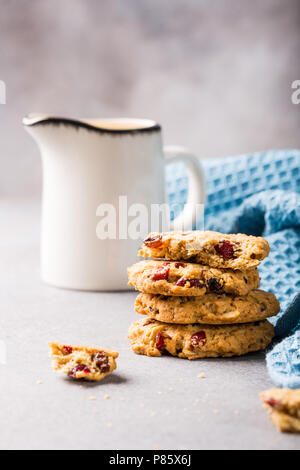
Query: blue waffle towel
(258, 194)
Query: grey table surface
(154, 402)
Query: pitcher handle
(187, 219)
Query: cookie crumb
(92, 398)
(109, 425)
(122, 399)
(95, 412)
(142, 405)
(171, 389)
(156, 447)
(106, 397)
(154, 413)
(201, 376)
(39, 382)
(236, 412)
(216, 412)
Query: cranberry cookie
(187, 279)
(81, 362)
(152, 338)
(236, 251)
(213, 309)
(284, 408)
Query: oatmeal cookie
(83, 362)
(284, 408)
(152, 338)
(187, 279)
(236, 251)
(214, 309)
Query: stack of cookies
(200, 293)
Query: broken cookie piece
(83, 362)
(284, 408)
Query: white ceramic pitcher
(87, 163)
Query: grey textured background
(216, 74)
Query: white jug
(87, 163)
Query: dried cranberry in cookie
(160, 342)
(271, 402)
(80, 368)
(214, 285)
(102, 361)
(196, 283)
(161, 274)
(198, 340)
(225, 249)
(153, 242)
(67, 349)
(180, 265)
(181, 282)
(190, 283)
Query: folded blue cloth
(259, 195)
